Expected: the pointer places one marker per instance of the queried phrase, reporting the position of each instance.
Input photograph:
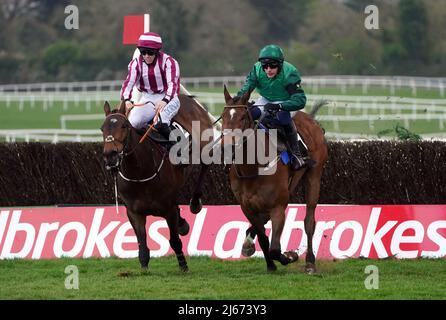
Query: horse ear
(228, 97)
(107, 109)
(122, 107)
(245, 98)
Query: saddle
(160, 139)
(282, 146)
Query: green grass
(221, 279)
(35, 117)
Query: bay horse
(147, 182)
(265, 197)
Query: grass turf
(113, 278)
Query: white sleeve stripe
(128, 84)
(172, 75)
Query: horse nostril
(111, 159)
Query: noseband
(111, 139)
(122, 154)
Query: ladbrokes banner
(405, 231)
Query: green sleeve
(250, 82)
(297, 98)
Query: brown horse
(265, 197)
(147, 182)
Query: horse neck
(247, 169)
(140, 157)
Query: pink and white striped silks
(163, 76)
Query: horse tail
(316, 106)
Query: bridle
(123, 153)
(248, 124)
(111, 139)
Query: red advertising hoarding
(342, 231)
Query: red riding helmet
(150, 40)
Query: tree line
(211, 38)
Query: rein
(123, 154)
(146, 179)
(251, 121)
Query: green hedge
(372, 172)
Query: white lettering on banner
(372, 236)
(398, 238)
(14, 227)
(192, 248)
(41, 237)
(3, 220)
(81, 234)
(321, 226)
(236, 250)
(96, 238)
(34, 233)
(437, 239)
(290, 225)
(159, 238)
(121, 238)
(336, 239)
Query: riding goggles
(271, 65)
(150, 52)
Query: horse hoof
(144, 269)
(184, 268)
(195, 206)
(248, 250)
(310, 268)
(291, 256)
(183, 228)
(272, 268)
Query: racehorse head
(116, 133)
(235, 115)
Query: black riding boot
(297, 161)
(164, 130)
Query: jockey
(278, 83)
(157, 76)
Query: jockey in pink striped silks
(157, 76)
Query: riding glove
(271, 107)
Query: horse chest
(144, 200)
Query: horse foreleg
(183, 226)
(312, 189)
(263, 241)
(138, 222)
(195, 204)
(249, 247)
(277, 223)
(175, 241)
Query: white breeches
(140, 116)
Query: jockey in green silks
(278, 83)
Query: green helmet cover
(271, 51)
